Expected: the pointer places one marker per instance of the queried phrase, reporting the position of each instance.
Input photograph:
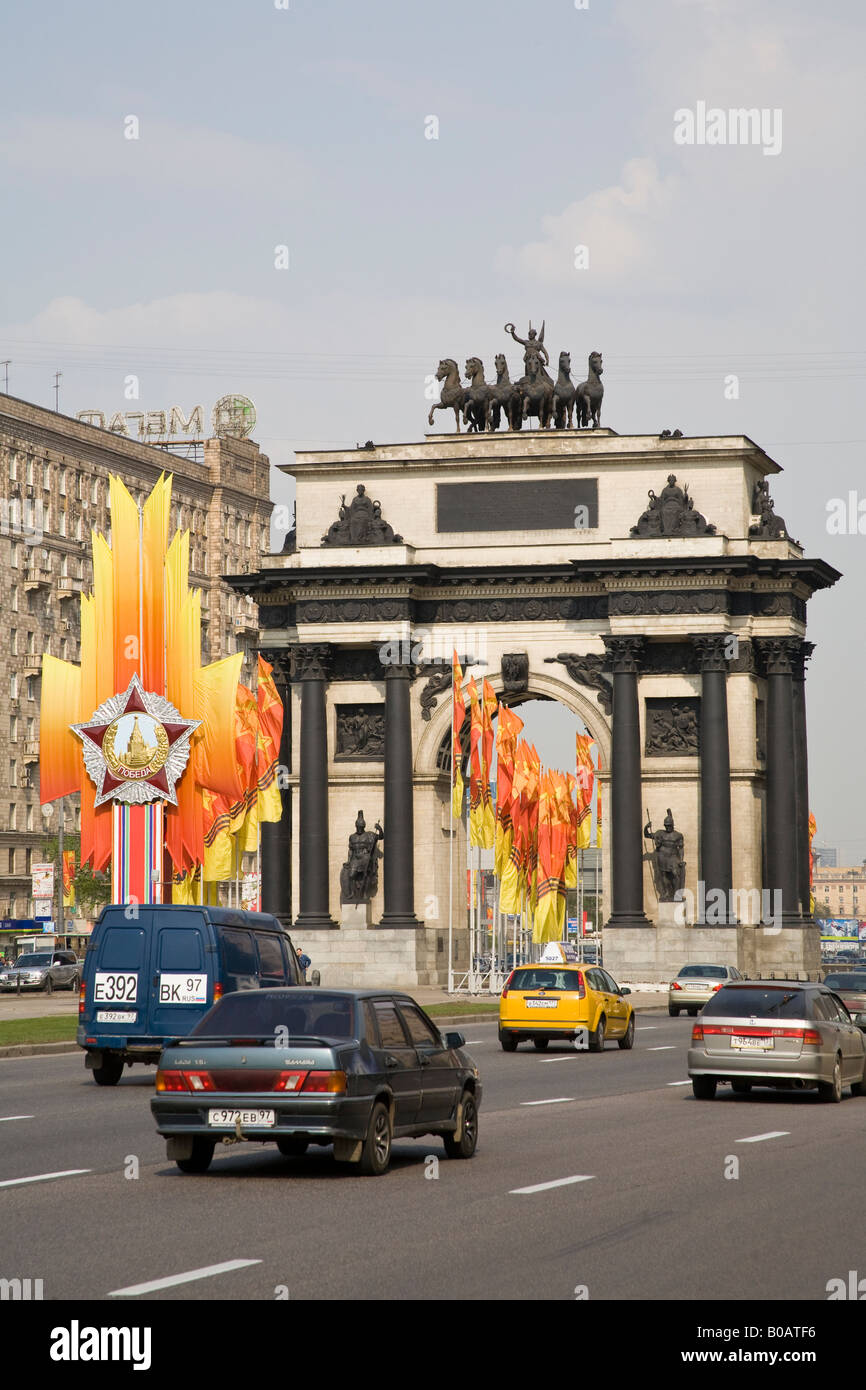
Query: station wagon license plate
(250, 1119)
(115, 1016)
(757, 1043)
(541, 1003)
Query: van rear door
(117, 978)
(182, 973)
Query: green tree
(92, 890)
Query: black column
(277, 835)
(399, 846)
(624, 655)
(802, 778)
(716, 871)
(311, 667)
(779, 655)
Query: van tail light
(331, 1081)
(81, 999)
(217, 992)
(504, 994)
(698, 1032)
(184, 1081)
(674, 985)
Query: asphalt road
(654, 1215)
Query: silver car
(695, 984)
(777, 1033)
(47, 970)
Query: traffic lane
(659, 1056)
(75, 1123)
(656, 1195)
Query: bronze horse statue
(452, 395)
(478, 397)
(590, 394)
(506, 397)
(537, 391)
(564, 393)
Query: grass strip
(56, 1028)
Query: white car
(695, 984)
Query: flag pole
(451, 834)
(258, 897)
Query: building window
(13, 467)
(11, 861)
(61, 524)
(61, 485)
(64, 648)
(13, 815)
(14, 556)
(94, 491)
(46, 477)
(13, 685)
(13, 641)
(31, 695)
(79, 487)
(28, 861)
(15, 599)
(31, 643)
(13, 773)
(29, 472)
(13, 728)
(29, 817)
(64, 566)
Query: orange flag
(458, 716)
(508, 728)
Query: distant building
(53, 491)
(840, 892)
(827, 857)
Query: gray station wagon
(298, 1067)
(777, 1033)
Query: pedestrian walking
(304, 962)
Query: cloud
(167, 157)
(618, 224)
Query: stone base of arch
(656, 956)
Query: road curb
(38, 1049)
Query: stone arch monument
(645, 582)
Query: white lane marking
(667, 1047)
(475, 1042)
(557, 1100)
(206, 1272)
(648, 1028)
(546, 1186)
(568, 1057)
(44, 1177)
(756, 1138)
(687, 1082)
(4, 1118)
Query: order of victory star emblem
(135, 747)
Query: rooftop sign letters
(232, 415)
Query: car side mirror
(454, 1040)
(624, 989)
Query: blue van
(152, 975)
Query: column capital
(712, 651)
(624, 654)
(280, 659)
(779, 655)
(398, 670)
(800, 659)
(311, 662)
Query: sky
(325, 197)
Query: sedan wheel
(200, 1158)
(704, 1087)
(832, 1090)
(49, 985)
(674, 1013)
(376, 1153)
(464, 1147)
(507, 1041)
(74, 983)
(292, 1148)
(741, 1088)
(627, 1041)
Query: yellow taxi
(578, 1004)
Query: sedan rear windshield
(857, 982)
(536, 977)
(40, 958)
(704, 972)
(764, 1001)
(250, 1014)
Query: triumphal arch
(645, 582)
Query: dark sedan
(295, 1067)
(850, 985)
